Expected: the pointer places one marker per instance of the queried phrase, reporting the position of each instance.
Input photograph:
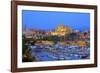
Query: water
(58, 52)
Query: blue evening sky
(49, 20)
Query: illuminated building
(61, 30)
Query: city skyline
(47, 20)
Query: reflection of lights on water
(47, 53)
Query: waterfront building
(61, 30)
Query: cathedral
(61, 30)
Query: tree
(71, 36)
(26, 52)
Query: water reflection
(58, 52)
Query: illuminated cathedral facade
(61, 30)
